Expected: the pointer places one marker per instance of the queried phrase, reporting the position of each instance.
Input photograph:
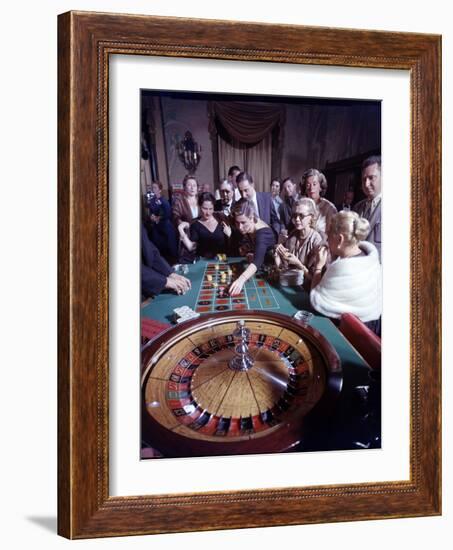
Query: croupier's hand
(236, 286)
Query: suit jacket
(266, 211)
(285, 211)
(374, 236)
(154, 269)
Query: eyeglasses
(300, 216)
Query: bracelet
(318, 270)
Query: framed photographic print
(202, 365)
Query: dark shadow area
(49, 523)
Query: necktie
(368, 210)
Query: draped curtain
(255, 159)
(249, 128)
(230, 154)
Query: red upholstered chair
(362, 338)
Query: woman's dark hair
(244, 207)
(233, 169)
(288, 179)
(205, 197)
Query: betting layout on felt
(214, 296)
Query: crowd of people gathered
(333, 251)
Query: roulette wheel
(235, 383)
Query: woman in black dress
(209, 233)
(258, 239)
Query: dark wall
(316, 133)
(179, 116)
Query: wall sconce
(189, 152)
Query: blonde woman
(352, 283)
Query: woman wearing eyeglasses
(301, 249)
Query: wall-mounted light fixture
(189, 152)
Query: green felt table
(345, 428)
(258, 294)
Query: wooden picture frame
(86, 40)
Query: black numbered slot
(246, 424)
(214, 344)
(268, 418)
(192, 366)
(223, 426)
(284, 402)
(261, 340)
(201, 421)
(276, 344)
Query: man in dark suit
(226, 201)
(262, 201)
(289, 194)
(370, 208)
(156, 273)
(348, 201)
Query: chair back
(362, 339)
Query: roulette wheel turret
(235, 383)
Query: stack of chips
(184, 313)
